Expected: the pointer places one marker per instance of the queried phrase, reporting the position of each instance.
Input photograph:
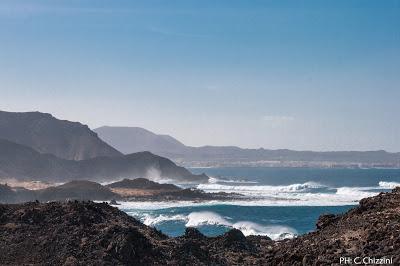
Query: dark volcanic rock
(234, 240)
(193, 233)
(74, 232)
(76, 190)
(85, 233)
(325, 220)
(142, 183)
(114, 202)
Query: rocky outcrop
(86, 233)
(74, 233)
(142, 183)
(74, 190)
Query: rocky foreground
(86, 233)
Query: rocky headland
(139, 189)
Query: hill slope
(46, 134)
(21, 162)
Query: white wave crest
(206, 218)
(153, 220)
(306, 194)
(275, 232)
(388, 185)
(243, 189)
(356, 193)
(215, 180)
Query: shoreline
(368, 230)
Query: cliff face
(86, 233)
(46, 134)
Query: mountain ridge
(208, 155)
(47, 134)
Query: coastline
(368, 230)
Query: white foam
(388, 185)
(215, 180)
(354, 192)
(306, 194)
(206, 218)
(153, 220)
(213, 187)
(197, 219)
(275, 232)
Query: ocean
(284, 202)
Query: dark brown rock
(325, 220)
(86, 233)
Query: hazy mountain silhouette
(46, 134)
(133, 139)
(22, 162)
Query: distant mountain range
(134, 139)
(34, 146)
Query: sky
(304, 75)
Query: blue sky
(319, 75)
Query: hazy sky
(321, 75)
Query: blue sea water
(333, 177)
(284, 201)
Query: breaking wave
(214, 180)
(388, 185)
(198, 219)
(153, 220)
(302, 194)
(304, 187)
(275, 232)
